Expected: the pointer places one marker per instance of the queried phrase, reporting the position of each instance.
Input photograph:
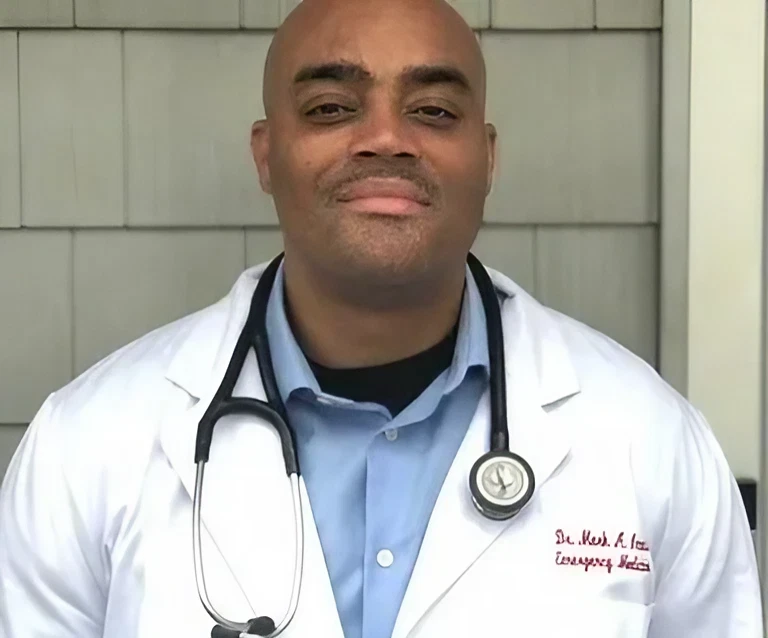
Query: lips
(383, 189)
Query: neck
(343, 325)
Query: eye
(329, 111)
(435, 113)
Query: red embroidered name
(635, 563)
(596, 541)
(586, 562)
(601, 539)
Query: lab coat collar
(534, 328)
(204, 354)
(203, 357)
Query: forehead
(385, 42)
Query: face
(375, 148)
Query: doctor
(624, 522)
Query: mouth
(384, 196)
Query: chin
(382, 267)
(379, 251)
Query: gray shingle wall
(124, 164)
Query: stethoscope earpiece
(501, 484)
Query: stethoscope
(501, 483)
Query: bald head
(375, 147)
(328, 31)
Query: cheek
(296, 167)
(464, 172)
(292, 179)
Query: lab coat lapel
(247, 511)
(538, 373)
(247, 505)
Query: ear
(490, 141)
(260, 152)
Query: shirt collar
(472, 341)
(293, 373)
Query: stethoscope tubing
(254, 334)
(197, 552)
(498, 384)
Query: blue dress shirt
(372, 479)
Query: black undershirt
(394, 385)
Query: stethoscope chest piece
(501, 484)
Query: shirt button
(385, 558)
(390, 434)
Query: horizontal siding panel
(128, 282)
(477, 13)
(36, 13)
(261, 14)
(10, 158)
(605, 277)
(578, 122)
(628, 14)
(72, 128)
(191, 99)
(509, 250)
(166, 14)
(543, 14)
(36, 319)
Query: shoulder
(135, 382)
(92, 443)
(636, 430)
(626, 399)
(621, 400)
(610, 374)
(604, 376)
(661, 440)
(105, 423)
(127, 382)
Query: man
(379, 160)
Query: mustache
(381, 167)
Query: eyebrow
(336, 71)
(423, 75)
(430, 74)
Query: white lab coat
(95, 510)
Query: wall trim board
(674, 193)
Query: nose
(384, 131)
